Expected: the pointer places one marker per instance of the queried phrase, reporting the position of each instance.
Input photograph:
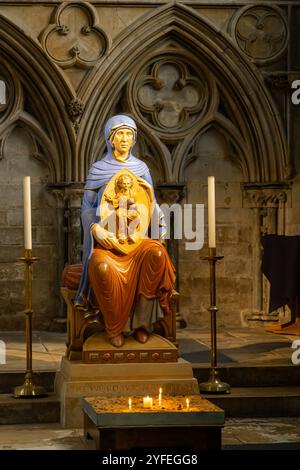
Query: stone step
(241, 403)
(246, 400)
(253, 376)
(29, 410)
(11, 379)
(236, 376)
(254, 402)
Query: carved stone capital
(278, 80)
(265, 196)
(74, 197)
(60, 197)
(171, 193)
(69, 195)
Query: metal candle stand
(214, 384)
(28, 389)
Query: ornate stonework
(262, 198)
(169, 95)
(74, 38)
(75, 111)
(279, 80)
(261, 32)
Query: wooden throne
(81, 323)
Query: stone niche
(18, 161)
(233, 236)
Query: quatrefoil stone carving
(74, 37)
(261, 32)
(170, 95)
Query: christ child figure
(128, 216)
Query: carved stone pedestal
(77, 380)
(98, 350)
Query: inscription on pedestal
(134, 388)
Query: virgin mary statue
(131, 278)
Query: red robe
(119, 279)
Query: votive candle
(147, 402)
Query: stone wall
(18, 161)
(234, 238)
(209, 86)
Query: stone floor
(235, 347)
(238, 434)
(283, 433)
(251, 346)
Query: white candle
(27, 213)
(211, 213)
(130, 403)
(159, 396)
(147, 402)
(187, 403)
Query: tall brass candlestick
(28, 389)
(214, 385)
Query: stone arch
(161, 152)
(266, 157)
(44, 149)
(48, 94)
(226, 128)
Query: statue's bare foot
(141, 335)
(117, 341)
(122, 240)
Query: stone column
(74, 197)
(171, 193)
(61, 248)
(268, 201)
(69, 238)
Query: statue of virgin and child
(126, 267)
